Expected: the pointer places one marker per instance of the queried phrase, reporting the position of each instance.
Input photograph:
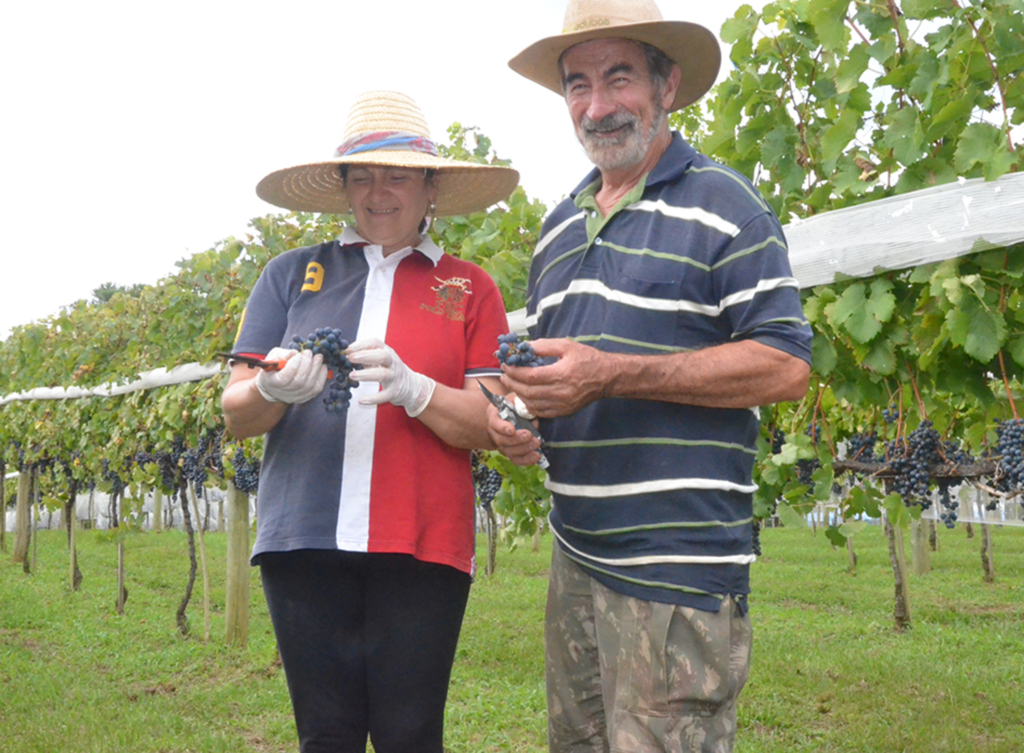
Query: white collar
(426, 246)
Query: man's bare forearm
(736, 375)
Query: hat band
(397, 141)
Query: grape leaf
(840, 134)
(905, 136)
(790, 517)
(833, 534)
(984, 144)
(979, 331)
(829, 20)
(1016, 350)
(861, 316)
(852, 68)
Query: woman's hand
(301, 379)
(400, 385)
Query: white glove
(301, 379)
(400, 385)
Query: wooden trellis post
(237, 598)
(22, 519)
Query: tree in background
(833, 103)
(108, 290)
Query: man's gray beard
(629, 148)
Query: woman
(365, 517)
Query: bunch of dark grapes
(43, 463)
(1010, 436)
(168, 469)
(755, 538)
(513, 352)
(329, 343)
(247, 472)
(891, 414)
(949, 505)
(203, 445)
(486, 480)
(116, 483)
(861, 447)
(806, 468)
(177, 449)
(192, 467)
(911, 463)
(953, 452)
(778, 440)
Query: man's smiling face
(615, 108)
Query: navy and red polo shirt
(372, 479)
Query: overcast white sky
(134, 133)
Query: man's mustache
(608, 123)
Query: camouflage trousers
(628, 675)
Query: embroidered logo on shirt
(452, 297)
(314, 277)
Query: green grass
(829, 673)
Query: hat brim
(462, 187)
(690, 46)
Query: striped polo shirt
(372, 479)
(654, 499)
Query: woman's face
(389, 203)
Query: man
(661, 297)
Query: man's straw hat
(387, 128)
(690, 46)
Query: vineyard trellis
(834, 110)
(834, 105)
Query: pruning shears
(258, 363)
(507, 412)
(255, 363)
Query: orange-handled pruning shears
(255, 363)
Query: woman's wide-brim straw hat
(690, 46)
(388, 129)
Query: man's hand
(519, 446)
(575, 380)
(301, 379)
(400, 385)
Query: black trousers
(367, 642)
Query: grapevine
(214, 461)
